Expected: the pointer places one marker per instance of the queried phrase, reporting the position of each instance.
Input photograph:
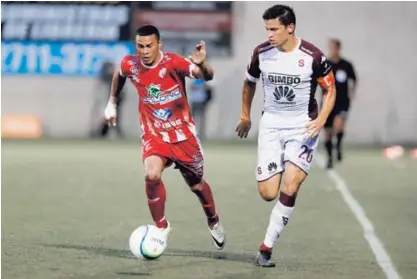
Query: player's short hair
(336, 42)
(148, 30)
(283, 13)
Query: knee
(268, 193)
(327, 136)
(339, 129)
(267, 196)
(290, 188)
(152, 175)
(328, 143)
(194, 181)
(197, 187)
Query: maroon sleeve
(321, 67)
(253, 71)
(322, 70)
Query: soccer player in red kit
(169, 134)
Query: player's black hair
(336, 42)
(147, 30)
(283, 13)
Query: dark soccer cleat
(339, 156)
(263, 259)
(329, 164)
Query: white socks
(279, 218)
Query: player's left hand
(243, 127)
(313, 127)
(110, 114)
(199, 55)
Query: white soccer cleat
(219, 236)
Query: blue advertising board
(60, 58)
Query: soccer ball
(147, 242)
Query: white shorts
(278, 145)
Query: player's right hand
(243, 127)
(110, 114)
(199, 55)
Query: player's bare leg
(155, 190)
(339, 128)
(200, 187)
(292, 179)
(328, 144)
(269, 188)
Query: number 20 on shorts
(306, 154)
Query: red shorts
(187, 155)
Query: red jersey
(163, 107)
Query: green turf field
(68, 210)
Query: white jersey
(289, 82)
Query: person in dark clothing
(200, 97)
(106, 76)
(346, 82)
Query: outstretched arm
(203, 70)
(116, 86)
(110, 113)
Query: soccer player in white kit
(290, 69)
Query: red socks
(207, 202)
(155, 190)
(263, 247)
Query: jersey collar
(156, 64)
